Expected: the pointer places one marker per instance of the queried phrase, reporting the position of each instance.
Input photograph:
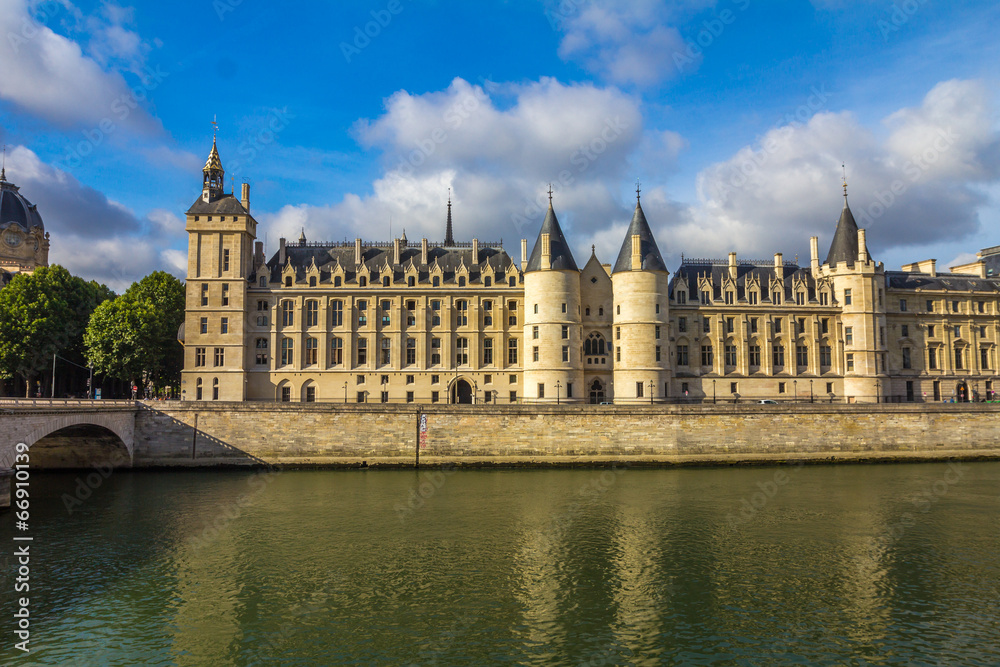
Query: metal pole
(90, 385)
(53, 376)
(713, 391)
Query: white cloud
(93, 236)
(917, 185)
(626, 41)
(48, 75)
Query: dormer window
(288, 281)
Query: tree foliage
(134, 337)
(42, 314)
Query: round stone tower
(640, 325)
(553, 369)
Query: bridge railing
(64, 402)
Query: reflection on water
(892, 564)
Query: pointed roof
(213, 162)
(844, 247)
(449, 237)
(650, 253)
(561, 259)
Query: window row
(383, 354)
(386, 281)
(383, 312)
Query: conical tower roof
(649, 252)
(844, 247)
(213, 162)
(561, 259)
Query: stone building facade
(24, 243)
(462, 322)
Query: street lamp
(652, 389)
(878, 391)
(795, 389)
(345, 393)
(558, 387)
(713, 391)
(810, 391)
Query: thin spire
(637, 191)
(3, 169)
(550, 195)
(449, 236)
(844, 167)
(215, 127)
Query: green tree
(134, 337)
(42, 314)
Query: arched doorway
(461, 392)
(597, 392)
(962, 392)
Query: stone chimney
(282, 255)
(862, 247)
(475, 251)
(814, 255)
(423, 252)
(732, 265)
(524, 254)
(357, 252)
(779, 265)
(396, 251)
(245, 197)
(258, 253)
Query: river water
(818, 565)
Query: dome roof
(15, 208)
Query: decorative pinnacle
(637, 190)
(215, 127)
(3, 169)
(844, 167)
(550, 195)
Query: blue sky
(734, 114)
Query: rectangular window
(411, 351)
(824, 326)
(734, 387)
(778, 355)
(958, 331)
(682, 355)
(312, 312)
(362, 351)
(730, 325)
(902, 305)
(657, 352)
(204, 294)
(752, 297)
(512, 379)
(847, 297)
(684, 388)
(512, 351)
(534, 353)
(781, 387)
(930, 331)
(569, 390)
(435, 379)
(618, 333)
(462, 313)
(730, 355)
(435, 351)
(386, 351)
(287, 313)
(564, 307)
(825, 355)
(225, 295)
(337, 311)
(777, 325)
(982, 332)
(981, 306)
(984, 359)
(312, 351)
(287, 349)
(801, 355)
(565, 353)
(824, 299)
(462, 351)
(361, 397)
(801, 325)
(930, 306)
(360, 379)
(706, 325)
(409, 397)
(706, 355)
(225, 260)
(829, 387)
(753, 325)
(435, 397)
(932, 359)
(220, 358)
(386, 313)
(488, 352)
(385, 397)
(199, 356)
(904, 330)
(512, 313)
(682, 324)
(541, 390)
(706, 297)
(954, 306)
(848, 335)
(224, 327)
(638, 389)
(204, 325)
(262, 306)
(336, 352)
(730, 298)
(850, 363)
(959, 359)
(565, 332)
(534, 333)
(753, 355)
(906, 358)
(657, 332)
(800, 299)
(513, 397)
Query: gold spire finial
(215, 127)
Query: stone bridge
(30, 420)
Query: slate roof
(650, 254)
(844, 247)
(763, 271)
(560, 255)
(374, 256)
(15, 208)
(225, 205)
(944, 281)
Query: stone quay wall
(201, 434)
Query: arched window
(215, 389)
(594, 345)
(197, 391)
(587, 311)
(309, 393)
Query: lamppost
(713, 391)
(345, 393)
(810, 391)
(558, 387)
(795, 389)
(652, 389)
(878, 391)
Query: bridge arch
(29, 427)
